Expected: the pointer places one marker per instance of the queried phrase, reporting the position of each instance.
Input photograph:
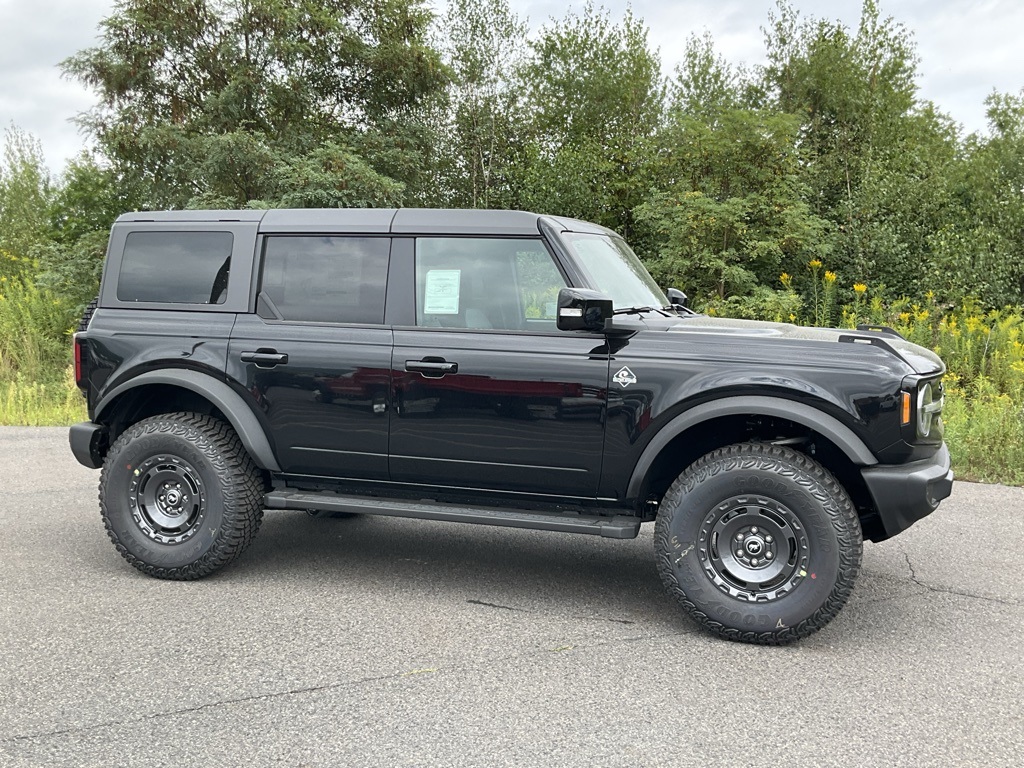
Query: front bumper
(904, 493)
(88, 443)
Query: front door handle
(265, 358)
(432, 367)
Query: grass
(31, 404)
(985, 433)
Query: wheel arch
(715, 424)
(179, 389)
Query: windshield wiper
(641, 310)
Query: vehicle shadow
(502, 567)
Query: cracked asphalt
(387, 642)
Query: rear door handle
(265, 358)
(432, 367)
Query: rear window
(326, 279)
(176, 267)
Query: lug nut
(754, 529)
(739, 553)
(768, 539)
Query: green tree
(484, 127)
(596, 94)
(26, 190)
(732, 215)
(980, 250)
(227, 102)
(876, 160)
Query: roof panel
(429, 221)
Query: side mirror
(580, 309)
(678, 298)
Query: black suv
(494, 367)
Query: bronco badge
(625, 377)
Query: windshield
(615, 270)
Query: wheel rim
(753, 548)
(167, 499)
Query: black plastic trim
(806, 415)
(227, 401)
(904, 493)
(618, 527)
(88, 443)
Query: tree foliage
(596, 98)
(724, 178)
(235, 101)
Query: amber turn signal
(905, 410)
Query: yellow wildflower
(859, 288)
(830, 277)
(814, 263)
(786, 280)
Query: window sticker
(441, 294)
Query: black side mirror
(678, 298)
(580, 309)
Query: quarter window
(175, 267)
(326, 279)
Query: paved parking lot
(387, 642)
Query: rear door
(316, 356)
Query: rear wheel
(758, 543)
(179, 495)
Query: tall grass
(36, 380)
(31, 404)
(983, 350)
(34, 338)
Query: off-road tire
(226, 502)
(90, 308)
(731, 490)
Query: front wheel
(179, 495)
(758, 543)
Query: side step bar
(619, 527)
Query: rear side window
(176, 267)
(326, 279)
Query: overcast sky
(967, 49)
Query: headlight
(930, 399)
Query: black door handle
(431, 367)
(265, 358)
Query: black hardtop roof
(406, 221)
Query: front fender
(810, 417)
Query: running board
(619, 527)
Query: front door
(487, 392)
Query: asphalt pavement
(388, 642)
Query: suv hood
(922, 360)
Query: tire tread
(803, 470)
(239, 479)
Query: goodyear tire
(758, 543)
(179, 495)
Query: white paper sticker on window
(441, 296)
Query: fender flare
(227, 401)
(828, 426)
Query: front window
(615, 270)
